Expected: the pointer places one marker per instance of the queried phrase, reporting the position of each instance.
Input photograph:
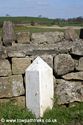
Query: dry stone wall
(64, 56)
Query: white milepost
(39, 87)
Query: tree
(7, 15)
(40, 16)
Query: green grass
(66, 116)
(34, 29)
(62, 114)
(10, 111)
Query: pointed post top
(38, 64)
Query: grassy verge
(59, 115)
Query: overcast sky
(46, 8)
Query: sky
(46, 8)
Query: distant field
(35, 29)
(42, 21)
(24, 20)
(40, 24)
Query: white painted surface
(39, 87)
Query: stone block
(73, 76)
(17, 85)
(23, 37)
(70, 34)
(77, 48)
(11, 86)
(19, 101)
(63, 63)
(68, 91)
(20, 50)
(20, 64)
(14, 54)
(39, 87)
(5, 68)
(80, 64)
(47, 58)
(47, 37)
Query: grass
(66, 116)
(63, 115)
(34, 29)
(10, 111)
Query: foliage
(59, 115)
(66, 115)
(10, 111)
